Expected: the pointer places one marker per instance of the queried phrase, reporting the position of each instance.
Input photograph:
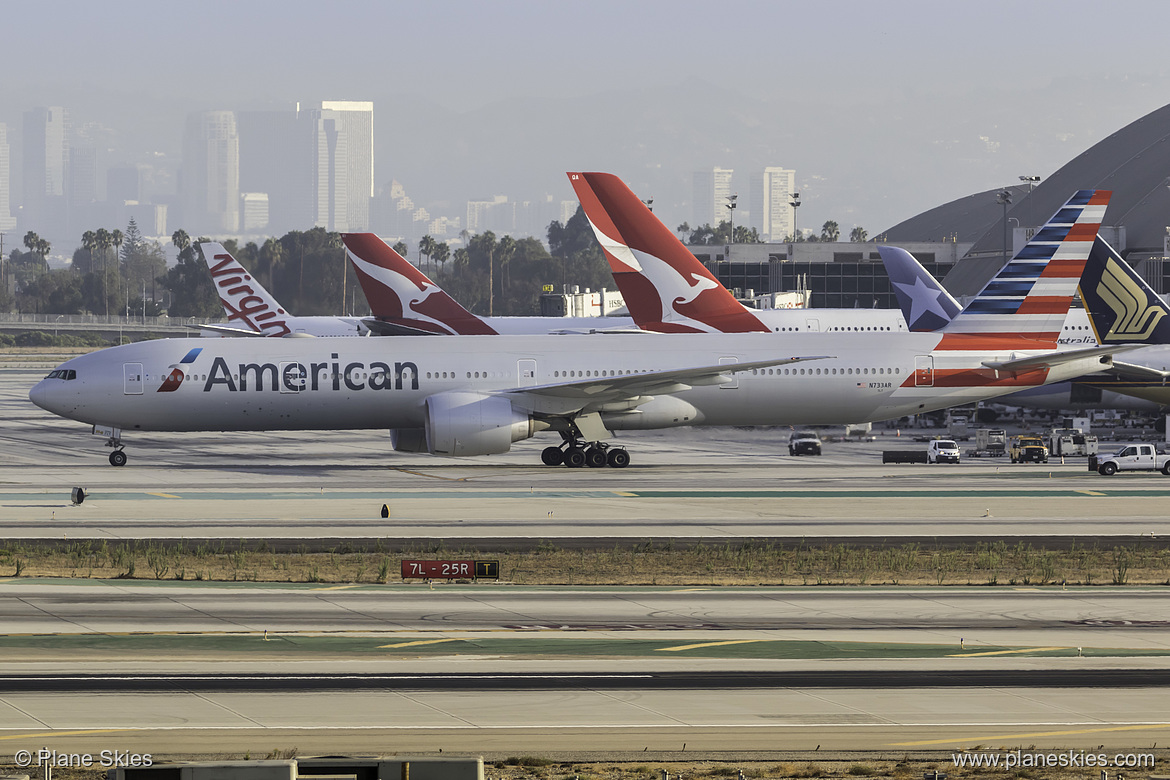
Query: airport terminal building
(1133, 162)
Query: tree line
(705, 235)
(117, 273)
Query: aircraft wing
(1050, 359)
(592, 392)
(1134, 371)
(386, 328)
(228, 330)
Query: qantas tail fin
(665, 288)
(1030, 296)
(247, 304)
(401, 295)
(925, 304)
(1121, 305)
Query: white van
(942, 451)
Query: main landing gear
(575, 453)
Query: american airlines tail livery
(476, 395)
(252, 311)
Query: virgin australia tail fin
(247, 304)
(665, 288)
(401, 296)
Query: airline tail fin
(244, 299)
(401, 295)
(665, 288)
(1121, 305)
(1030, 296)
(925, 304)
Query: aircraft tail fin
(665, 288)
(1029, 298)
(401, 295)
(1121, 306)
(925, 304)
(244, 299)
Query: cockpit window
(62, 373)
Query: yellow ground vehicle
(1031, 448)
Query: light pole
(1004, 198)
(1031, 181)
(649, 203)
(794, 202)
(731, 210)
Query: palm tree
(426, 247)
(858, 235)
(401, 248)
(442, 254)
(43, 247)
(507, 249)
(830, 231)
(181, 240)
(116, 238)
(103, 241)
(270, 256)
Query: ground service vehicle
(991, 442)
(804, 443)
(1135, 457)
(1028, 448)
(942, 451)
(1071, 441)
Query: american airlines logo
(174, 378)
(240, 301)
(1135, 318)
(295, 377)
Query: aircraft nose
(37, 394)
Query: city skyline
(883, 112)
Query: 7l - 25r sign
(438, 570)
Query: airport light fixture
(794, 202)
(1031, 181)
(731, 209)
(649, 203)
(1004, 198)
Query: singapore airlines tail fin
(250, 308)
(1028, 300)
(925, 304)
(401, 297)
(665, 288)
(1122, 307)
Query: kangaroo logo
(1134, 317)
(174, 379)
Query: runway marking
(163, 495)
(338, 587)
(420, 642)
(67, 733)
(708, 644)
(1092, 493)
(625, 493)
(1037, 734)
(1008, 652)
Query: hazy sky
(884, 108)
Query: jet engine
(408, 439)
(474, 424)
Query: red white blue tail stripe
(1030, 296)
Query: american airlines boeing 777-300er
(476, 395)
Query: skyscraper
(712, 188)
(211, 174)
(7, 221)
(770, 200)
(354, 119)
(46, 156)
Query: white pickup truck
(1134, 457)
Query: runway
(182, 667)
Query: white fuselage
(346, 383)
